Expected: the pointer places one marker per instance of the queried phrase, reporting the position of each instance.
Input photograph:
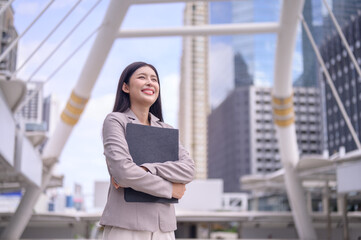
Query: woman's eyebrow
(147, 74)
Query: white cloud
(170, 99)
(27, 48)
(98, 108)
(63, 4)
(221, 73)
(28, 8)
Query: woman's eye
(141, 77)
(155, 80)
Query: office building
(347, 83)
(251, 57)
(242, 136)
(8, 34)
(257, 50)
(321, 25)
(241, 73)
(193, 108)
(32, 111)
(343, 10)
(51, 112)
(312, 13)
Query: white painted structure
(202, 195)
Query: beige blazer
(158, 182)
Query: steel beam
(172, 1)
(215, 29)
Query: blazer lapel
(154, 121)
(131, 116)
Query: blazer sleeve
(120, 163)
(180, 171)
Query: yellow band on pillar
(282, 101)
(77, 99)
(68, 119)
(284, 122)
(283, 112)
(73, 109)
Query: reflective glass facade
(257, 50)
(348, 85)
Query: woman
(138, 101)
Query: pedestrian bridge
(22, 167)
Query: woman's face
(143, 87)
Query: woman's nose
(149, 81)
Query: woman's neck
(142, 113)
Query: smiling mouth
(148, 91)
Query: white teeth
(148, 92)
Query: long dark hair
(122, 101)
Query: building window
(339, 73)
(345, 69)
(342, 122)
(344, 53)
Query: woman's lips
(148, 91)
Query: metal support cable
(61, 65)
(342, 36)
(330, 83)
(13, 43)
(64, 39)
(72, 54)
(46, 38)
(8, 4)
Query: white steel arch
(282, 99)
(284, 116)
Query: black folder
(149, 144)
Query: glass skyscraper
(312, 13)
(257, 50)
(252, 56)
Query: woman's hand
(178, 190)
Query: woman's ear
(125, 88)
